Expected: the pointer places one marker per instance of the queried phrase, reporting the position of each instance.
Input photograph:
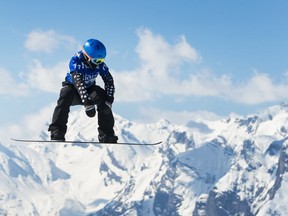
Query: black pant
(70, 97)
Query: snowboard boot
(107, 138)
(57, 135)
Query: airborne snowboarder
(79, 88)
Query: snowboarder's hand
(90, 109)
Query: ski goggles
(95, 61)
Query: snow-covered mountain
(234, 166)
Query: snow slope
(236, 166)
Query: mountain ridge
(232, 166)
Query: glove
(89, 109)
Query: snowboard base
(82, 142)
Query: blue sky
(169, 59)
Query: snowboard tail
(82, 142)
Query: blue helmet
(94, 49)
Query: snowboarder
(79, 88)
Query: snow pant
(70, 97)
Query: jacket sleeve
(108, 83)
(109, 86)
(79, 85)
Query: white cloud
(156, 75)
(46, 79)
(159, 75)
(258, 89)
(25, 128)
(9, 86)
(48, 41)
(158, 55)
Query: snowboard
(84, 142)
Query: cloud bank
(158, 76)
(165, 70)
